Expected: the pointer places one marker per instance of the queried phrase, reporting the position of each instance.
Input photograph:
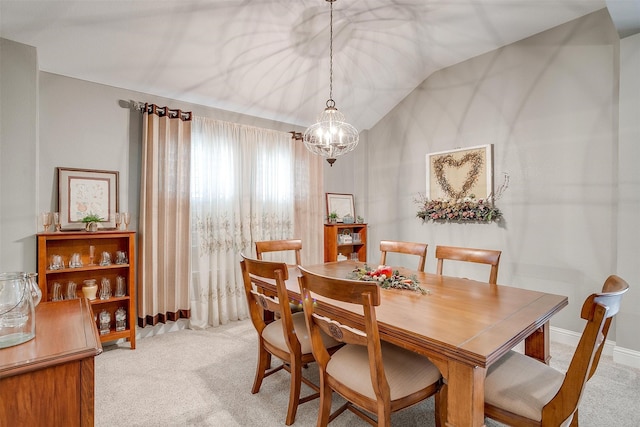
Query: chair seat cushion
(521, 385)
(407, 372)
(274, 334)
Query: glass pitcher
(19, 295)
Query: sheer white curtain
(243, 189)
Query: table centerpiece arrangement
(387, 278)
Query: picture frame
(86, 191)
(463, 172)
(342, 204)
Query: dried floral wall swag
(466, 209)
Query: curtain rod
(160, 111)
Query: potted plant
(333, 217)
(91, 222)
(348, 219)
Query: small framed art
(82, 192)
(341, 204)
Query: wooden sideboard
(50, 379)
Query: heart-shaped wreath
(477, 161)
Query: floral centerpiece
(386, 277)
(466, 209)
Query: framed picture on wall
(82, 192)
(460, 173)
(341, 204)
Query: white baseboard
(627, 357)
(620, 355)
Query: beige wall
(628, 249)
(549, 106)
(18, 159)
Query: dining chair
(278, 246)
(376, 378)
(481, 256)
(521, 391)
(410, 248)
(285, 338)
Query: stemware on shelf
(56, 262)
(106, 259)
(45, 219)
(126, 218)
(57, 292)
(92, 254)
(71, 290)
(121, 257)
(121, 319)
(75, 261)
(121, 286)
(105, 322)
(105, 288)
(56, 221)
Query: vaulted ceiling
(270, 58)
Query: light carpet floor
(204, 378)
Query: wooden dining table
(461, 325)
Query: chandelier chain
(331, 136)
(331, 54)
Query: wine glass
(56, 221)
(45, 218)
(92, 254)
(118, 220)
(126, 218)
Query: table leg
(465, 395)
(536, 345)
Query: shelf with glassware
(345, 241)
(97, 265)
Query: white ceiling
(270, 58)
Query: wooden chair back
(410, 248)
(278, 246)
(270, 311)
(259, 302)
(598, 310)
(481, 256)
(366, 295)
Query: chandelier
(331, 136)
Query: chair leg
(440, 401)
(264, 363)
(384, 415)
(324, 412)
(574, 420)
(294, 390)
